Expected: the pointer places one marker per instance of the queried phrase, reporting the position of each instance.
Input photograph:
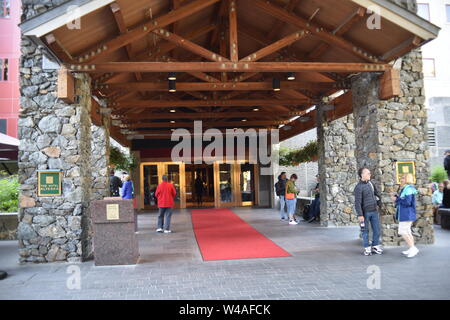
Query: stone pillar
(53, 135)
(337, 170)
(392, 130)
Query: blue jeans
(165, 215)
(283, 214)
(315, 208)
(374, 220)
(291, 206)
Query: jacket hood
(408, 190)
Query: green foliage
(122, 161)
(438, 174)
(293, 157)
(9, 194)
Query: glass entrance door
(151, 177)
(247, 184)
(225, 185)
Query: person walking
(291, 198)
(114, 184)
(165, 193)
(127, 189)
(199, 188)
(447, 163)
(280, 190)
(366, 201)
(405, 201)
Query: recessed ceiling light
(291, 76)
(256, 109)
(173, 110)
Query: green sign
(404, 168)
(49, 183)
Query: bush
(121, 161)
(438, 174)
(293, 157)
(9, 194)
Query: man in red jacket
(165, 193)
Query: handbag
(290, 196)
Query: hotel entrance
(218, 185)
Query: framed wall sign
(49, 183)
(405, 167)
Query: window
(3, 69)
(429, 68)
(423, 10)
(447, 9)
(3, 126)
(4, 9)
(431, 137)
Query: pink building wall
(10, 49)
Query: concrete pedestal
(115, 241)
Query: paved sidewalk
(326, 263)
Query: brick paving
(326, 263)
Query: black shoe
(3, 275)
(312, 219)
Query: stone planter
(8, 226)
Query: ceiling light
(291, 76)
(172, 76)
(276, 84)
(172, 121)
(173, 110)
(172, 86)
(256, 109)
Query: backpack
(277, 188)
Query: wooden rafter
(232, 15)
(339, 31)
(145, 28)
(316, 30)
(229, 67)
(215, 124)
(210, 115)
(58, 48)
(207, 103)
(222, 86)
(189, 45)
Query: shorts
(404, 228)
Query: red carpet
(222, 235)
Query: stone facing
(387, 131)
(337, 170)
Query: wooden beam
(145, 28)
(279, 24)
(402, 48)
(339, 31)
(222, 86)
(58, 48)
(66, 86)
(189, 45)
(316, 30)
(216, 124)
(207, 115)
(208, 103)
(232, 16)
(228, 67)
(390, 84)
(274, 47)
(118, 17)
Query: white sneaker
(159, 230)
(293, 222)
(413, 252)
(406, 252)
(167, 231)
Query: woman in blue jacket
(405, 202)
(127, 189)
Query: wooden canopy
(237, 63)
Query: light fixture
(304, 119)
(173, 110)
(172, 86)
(255, 109)
(244, 120)
(291, 76)
(172, 76)
(172, 121)
(276, 84)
